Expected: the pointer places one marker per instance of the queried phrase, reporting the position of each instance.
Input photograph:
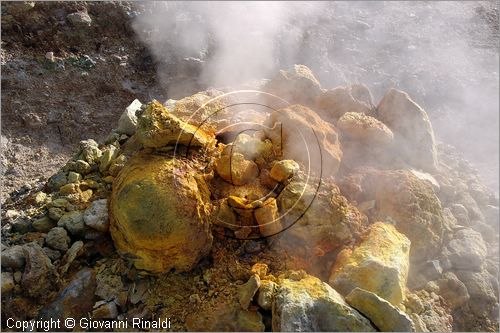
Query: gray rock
(7, 282)
(265, 294)
(413, 133)
(21, 225)
(75, 301)
(58, 239)
(381, 313)
(452, 290)
(127, 124)
(479, 284)
(487, 232)
(96, 215)
(79, 19)
(57, 180)
(460, 213)
(247, 291)
(13, 257)
(51, 253)
(466, 250)
(39, 273)
(70, 256)
(73, 222)
(92, 234)
(43, 224)
(482, 289)
(479, 193)
(55, 213)
(465, 199)
(112, 137)
(420, 274)
(432, 269)
(311, 305)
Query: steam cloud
(444, 54)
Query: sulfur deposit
(324, 212)
(159, 213)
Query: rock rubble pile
(319, 212)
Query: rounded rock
(13, 257)
(58, 239)
(73, 222)
(159, 214)
(368, 130)
(235, 169)
(96, 216)
(283, 170)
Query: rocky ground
(57, 79)
(379, 227)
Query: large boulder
(159, 213)
(379, 264)
(365, 129)
(158, 127)
(236, 170)
(365, 141)
(325, 220)
(39, 276)
(381, 313)
(405, 200)
(483, 291)
(414, 136)
(453, 291)
(466, 250)
(297, 85)
(333, 104)
(127, 124)
(308, 304)
(205, 108)
(306, 138)
(75, 300)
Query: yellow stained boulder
(301, 135)
(157, 127)
(379, 264)
(159, 212)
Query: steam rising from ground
(444, 54)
